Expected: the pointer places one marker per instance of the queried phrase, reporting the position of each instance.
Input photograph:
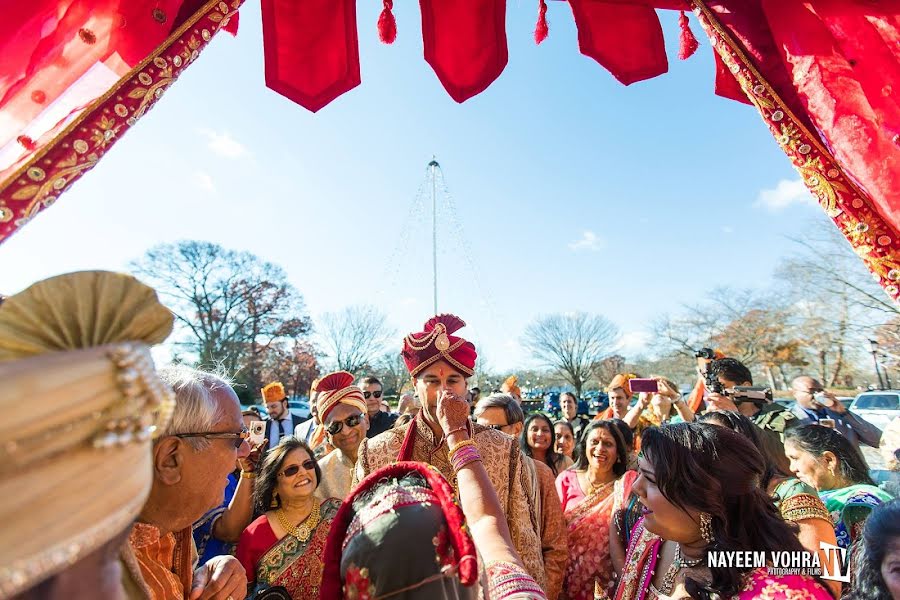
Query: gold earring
(274, 503)
(706, 531)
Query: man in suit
(815, 405)
(281, 422)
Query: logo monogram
(836, 566)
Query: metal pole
(434, 165)
(877, 370)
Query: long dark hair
(744, 426)
(711, 469)
(881, 530)
(818, 439)
(267, 478)
(610, 425)
(552, 455)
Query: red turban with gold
(423, 349)
(337, 388)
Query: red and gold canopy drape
(77, 74)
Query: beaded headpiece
(407, 508)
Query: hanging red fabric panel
(843, 60)
(626, 39)
(465, 43)
(311, 49)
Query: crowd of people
(146, 484)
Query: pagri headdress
(274, 392)
(80, 343)
(337, 388)
(436, 342)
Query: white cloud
(223, 144)
(634, 342)
(785, 194)
(589, 241)
(204, 181)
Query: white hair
(195, 409)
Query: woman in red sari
(284, 546)
(590, 492)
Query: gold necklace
(306, 527)
(678, 563)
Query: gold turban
(78, 472)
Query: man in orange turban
(619, 392)
(281, 421)
(439, 363)
(342, 410)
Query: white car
(878, 408)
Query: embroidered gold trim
(802, 507)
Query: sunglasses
(237, 438)
(368, 395)
(336, 427)
(308, 464)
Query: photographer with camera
(729, 387)
(815, 405)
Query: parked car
(878, 408)
(551, 404)
(298, 407)
(847, 401)
(596, 402)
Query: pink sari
(587, 523)
(640, 565)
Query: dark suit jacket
(295, 420)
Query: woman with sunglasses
(283, 548)
(342, 409)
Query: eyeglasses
(368, 395)
(497, 427)
(237, 438)
(336, 427)
(308, 464)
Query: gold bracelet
(248, 474)
(458, 445)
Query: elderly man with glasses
(503, 413)
(191, 461)
(342, 408)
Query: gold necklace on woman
(678, 562)
(305, 529)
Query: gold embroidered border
(802, 507)
(54, 167)
(873, 239)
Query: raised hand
(452, 412)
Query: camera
(707, 353)
(749, 393)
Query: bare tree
(572, 343)
(392, 372)
(356, 336)
(232, 306)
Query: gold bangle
(458, 445)
(248, 475)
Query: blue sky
(573, 191)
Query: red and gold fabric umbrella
(77, 74)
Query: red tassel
(387, 25)
(541, 29)
(26, 142)
(233, 23)
(689, 43)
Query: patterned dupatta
(849, 507)
(640, 563)
(587, 525)
(295, 565)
